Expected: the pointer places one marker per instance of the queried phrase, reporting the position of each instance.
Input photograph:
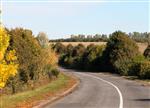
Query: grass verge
(30, 98)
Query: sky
(59, 20)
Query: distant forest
(138, 37)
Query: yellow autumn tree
(8, 67)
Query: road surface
(104, 91)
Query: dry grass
(142, 46)
(84, 43)
(31, 98)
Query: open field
(142, 46)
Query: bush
(34, 60)
(78, 50)
(69, 49)
(59, 48)
(93, 52)
(119, 52)
(147, 52)
(144, 70)
(134, 65)
(28, 51)
(55, 72)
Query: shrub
(69, 49)
(78, 50)
(59, 48)
(55, 72)
(28, 51)
(147, 52)
(119, 52)
(93, 52)
(134, 65)
(34, 60)
(144, 70)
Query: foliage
(83, 38)
(140, 37)
(43, 39)
(78, 50)
(55, 72)
(69, 49)
(144, 70)
(147, 52)
(91, 56)
(119, 52)
(141, 69)
(120, 55)
(59, 48)
(8, 101)
(8, 65)
(136, 36)
(28, 51)
(80, 57)
(35, 61)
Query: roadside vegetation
(26, 61)
(120, 55)
(31, 98)
(28, 69)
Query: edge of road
(44, 103)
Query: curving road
(104, 91)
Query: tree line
(120, 55)
(136, 36)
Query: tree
(59, 48)
(8, 65)
(69, 49)
(93, 52)
(28, 51)
(43, 39)
(35, 62)
(119, 52)
(78, 50)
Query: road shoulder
(71, 87)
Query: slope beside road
(104, 91)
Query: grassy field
(142, 46)
(29, 98)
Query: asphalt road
(104, 91)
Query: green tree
(93, 52)
(59, 48)
(119, 52)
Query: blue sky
(60, 20)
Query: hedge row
(35, 62)
(120, 55)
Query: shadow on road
(141, 99)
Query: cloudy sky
(59, 19)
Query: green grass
(10, 101)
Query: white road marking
(119, 92)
